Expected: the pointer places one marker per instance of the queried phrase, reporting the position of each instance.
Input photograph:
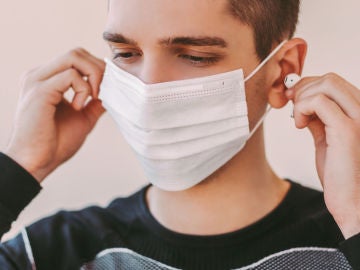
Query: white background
(32, 32)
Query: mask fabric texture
(181, 131)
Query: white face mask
(181, 131)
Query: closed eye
(126, 57)
(199, 60)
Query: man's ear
(290, 59)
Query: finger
(317, 129)
(99, 62)
(304, 82)
(79, 60)
(321, 106)
(335, 87)
(60, 83)
(93, 110)
(340, 96)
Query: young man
(175, 87)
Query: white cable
(265, 60)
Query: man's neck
(240, 193)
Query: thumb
(317, 130)
(93, 110)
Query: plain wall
(33, 32)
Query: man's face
(166, 40)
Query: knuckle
(331, 77)
(71, 72)
(83, 88)
(333, 82)
(319, 100)
(27, 82)
(82, 50)
(75, 53)
(27, 77)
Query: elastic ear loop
(268, 109)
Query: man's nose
(154, 71)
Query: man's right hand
(48, 129)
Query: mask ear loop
(265, 61)
(252, 74)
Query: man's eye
(199, 60)
(125, 55)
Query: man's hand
(330, 107)
(48, 129)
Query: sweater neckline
(209, 241)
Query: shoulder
(80, 235)
(93, 219)
(309, 213)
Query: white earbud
(291, 79)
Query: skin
(328, 105)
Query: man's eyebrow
(118, 38)
(195, 41)
(189, 41)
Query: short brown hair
(271, 20)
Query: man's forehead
(167, 18)
(173, 1)
(158, 7)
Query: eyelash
(125, 55)
(199, 60)
(194, 60)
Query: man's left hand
(330, 107)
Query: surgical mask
(181, 131)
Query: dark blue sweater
(299, 234)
